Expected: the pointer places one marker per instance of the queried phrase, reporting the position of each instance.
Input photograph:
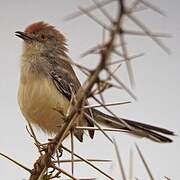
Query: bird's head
(41, 37)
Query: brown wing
(66, 81)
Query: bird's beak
(23, 36)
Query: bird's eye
(43, 36)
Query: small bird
(48, 82)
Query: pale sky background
(157, 87)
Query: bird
(48, 83)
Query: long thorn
(119, 160)
(144, 162)
(95, 19)
(34, 137)
(90, 8)
(104, 129)
(94, 121)
(109, 104)
(122, 84)
(88, 163)
(104, 12)
(15, 162)
(145, 29)
(64, 172)
(126, 57)
(72, 150)
(79, 160)
(131, 165)
(153, 7)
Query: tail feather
(145, 130)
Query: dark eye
(43, 36)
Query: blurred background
(157, 78)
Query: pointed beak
(23, 36)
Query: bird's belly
(42, 104)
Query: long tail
(144, 130)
